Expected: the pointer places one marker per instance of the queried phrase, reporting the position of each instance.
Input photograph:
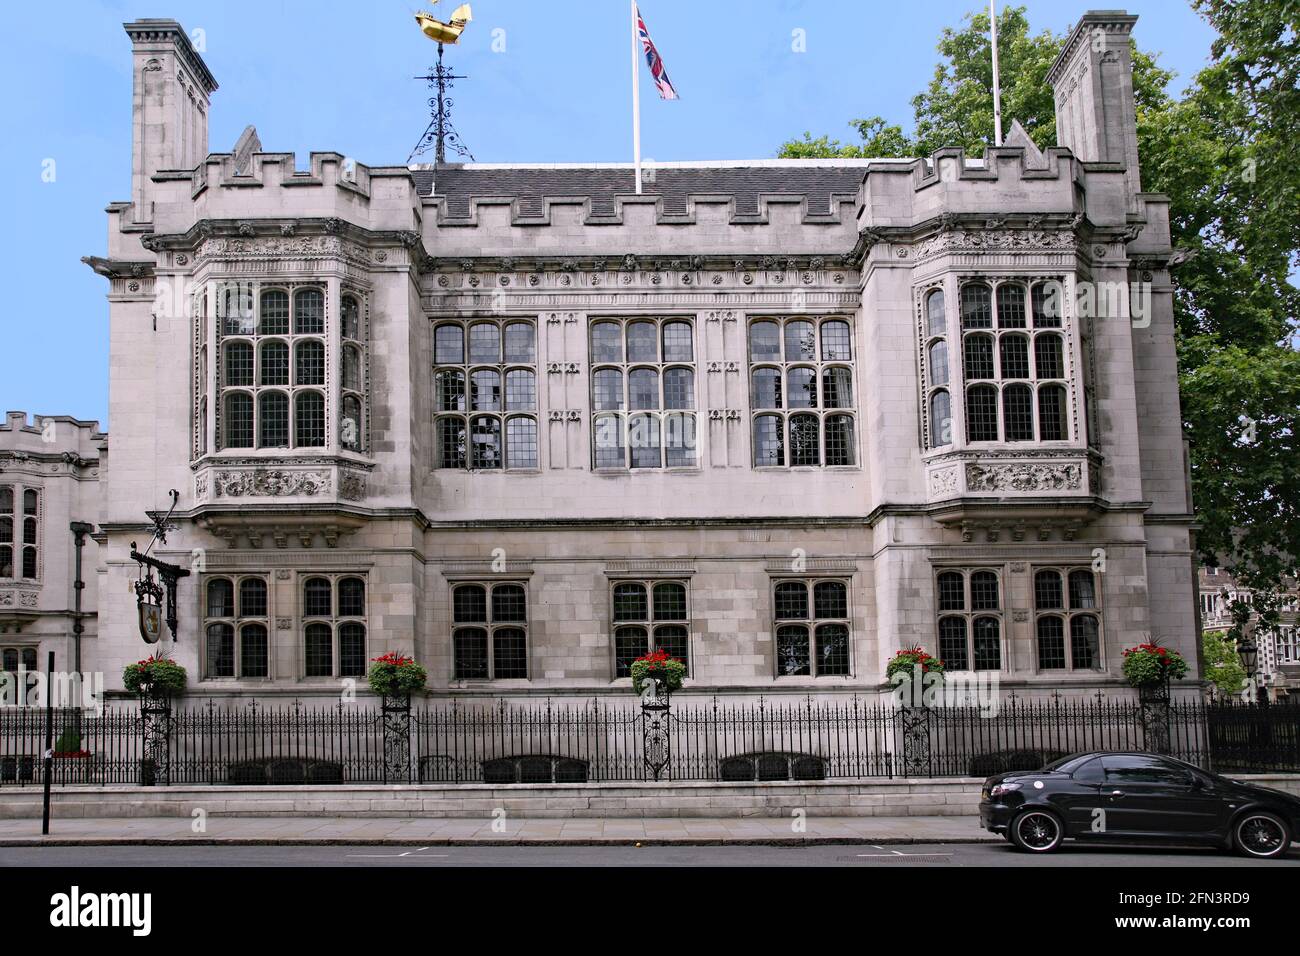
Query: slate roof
(531, 184)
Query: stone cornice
(978, 232)
(281, 237)
(1114, 22)
(169, 31)
(632, 262)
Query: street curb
(430, 842)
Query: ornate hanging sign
(150, 595)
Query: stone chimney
(169, 106)
(1092, 81)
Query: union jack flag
(654, 61)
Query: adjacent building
(777, 418)
(1278, 664)
(49, 482)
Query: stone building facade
(779, 418)
(49, 481)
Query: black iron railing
(249, 742)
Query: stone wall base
(946, 796)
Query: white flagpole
(997, 89)
(636, 102)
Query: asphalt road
(941, 855)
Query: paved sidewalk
(254, 831)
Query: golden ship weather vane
(440, 133)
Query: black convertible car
(1139, 798)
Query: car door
(1147, 795)
(1079, 798)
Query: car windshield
(1064, 763)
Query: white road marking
(898, 853)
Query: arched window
(521, 342)
(678, 342)
(936, 320)
(318, 642)
(485, 343)
(352, 368)
(938, 362)
(607, 389)
(811, 622)
(275, 363)
(769, 440)
(485, 442)
(350, 318)
(800, 344)
(679, 388)
(521, 391)
(981, 413)
(606, 342)
(236, 633)
(239, 420)
(1018, 413)
(309, 367)
(643, 388)
(765, 387)
(801, 387)
(1067, 611)
(352, 597)
(309, 312)
(940, 418)
(521, 442)
(485, 390)
(641, 342)
(239, 364)
(976, 306)
(649, 615)
(274, 313)
(309, 420)
(970, 619)
(805, 440)
(221, 598)
(764, 341)
(253, 648)
(6, 531)
(479, 382)
(1053, 420)
(1011, 306)
(273, 420)
(837, 342)
(449, 345)
(350, 424)
(317, 597)
(490, 640)
(450, 390)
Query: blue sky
(334, 75)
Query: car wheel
(1036, 831)
(1261, 835)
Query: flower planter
(666, 673)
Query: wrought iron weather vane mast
(440, 132)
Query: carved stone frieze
(1025, 476)
(272, 483)
(997, 240)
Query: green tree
(1224, 156)
(1222, 665)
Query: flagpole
(997, 90)
(636, 104)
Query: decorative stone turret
(1093, 83)
(169, 106)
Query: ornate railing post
(156, 721)
(654, 726)
(397, 738)
(916, 739)
(1153, 706)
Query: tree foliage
(1223, 154)
(1222, 664)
